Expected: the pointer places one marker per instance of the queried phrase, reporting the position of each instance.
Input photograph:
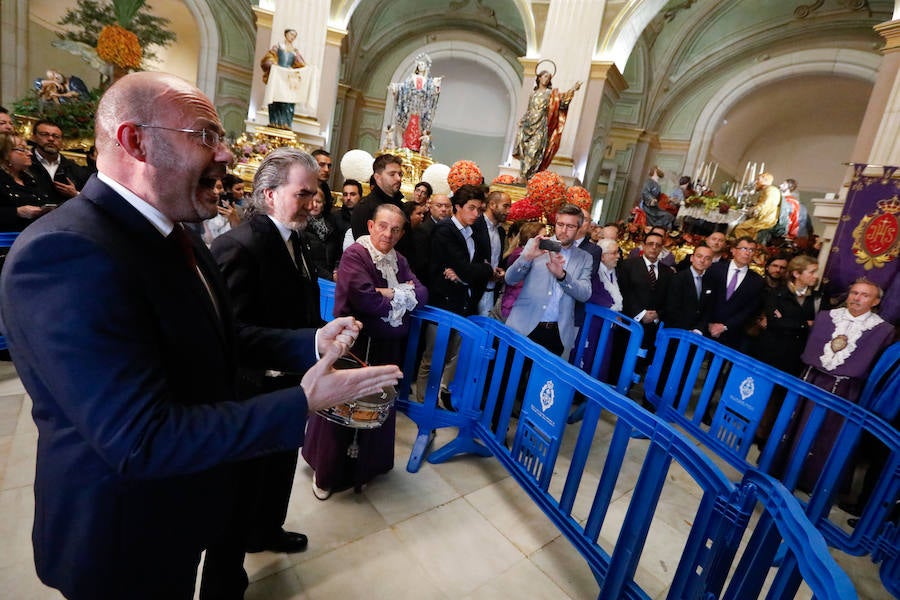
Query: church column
(328, 91)
(569, 38)
(877, 141)
(14, 62)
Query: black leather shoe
(287, 542)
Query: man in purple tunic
(375, 285)
(843, 345)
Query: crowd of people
(174, 393)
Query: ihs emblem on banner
(876, 239)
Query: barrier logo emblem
(547, 395)
(747, 388)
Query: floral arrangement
(357, 164)
(710, 202)
(118, 46)
(548, 191)
(76, 119)
(525, 210)
(579, 196)
(436, 175)
(254, 149)
(503, 180)
(464, 172)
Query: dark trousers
(547, 335)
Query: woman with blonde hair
(21, 201)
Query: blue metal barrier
(882, 390)
(495, 365)
(689, 388)
(326, 299)
(6, 241)
(612, 323)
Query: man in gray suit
(554, 281)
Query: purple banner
(867, 240)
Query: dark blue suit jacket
(131, 372)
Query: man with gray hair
(272, 283)
(123, 334)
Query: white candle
(697, 172)
(762, 168)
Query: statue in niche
(415, 101)
(425, 144)
(284, 80)
(390, 143)
(541, 127)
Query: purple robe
(845, 380)
(326, 445)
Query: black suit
(141, 425)
(737, 311)
(683, 309)
(67, 169)
(639, 295)
(267, 289)
(449, 250)
(365, 210)
(483, 239)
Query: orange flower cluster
(524, 210)
(579, 196)
(547, 190)
(118, 46)
(464, 172)
(503, 180)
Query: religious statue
(425, 144)
(764, 215)
(56, 88)
(415, 101)
(541, 127)
(390, 142)
(280, 74)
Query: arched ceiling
(386, 30)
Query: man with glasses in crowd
(57, 176)
(553, 281)
(738, 294)
(124, 338)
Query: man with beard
(387, 176)
(554, 282)
(489, 233)
(272, 283)
(57, 176)
(351, 192)
(123, 335)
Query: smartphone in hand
(551, 245)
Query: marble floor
(462, 529)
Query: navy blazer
(449, 250)
(737, 311)
(130, 369)
(683, 309)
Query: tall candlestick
(715, 170)
(762, 168)
(697, 172)
(744, 176)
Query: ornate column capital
(335, 36)
(264, 17)
(529, 64)
(608, 71)
(890, 31)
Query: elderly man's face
(291, 202)
(385, 230)
(862, 298)
(610, 258)
(653, 246)
(742, 254)
(440, 207)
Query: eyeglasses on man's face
(208, 137)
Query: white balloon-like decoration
(436, 175)
(357, 164)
